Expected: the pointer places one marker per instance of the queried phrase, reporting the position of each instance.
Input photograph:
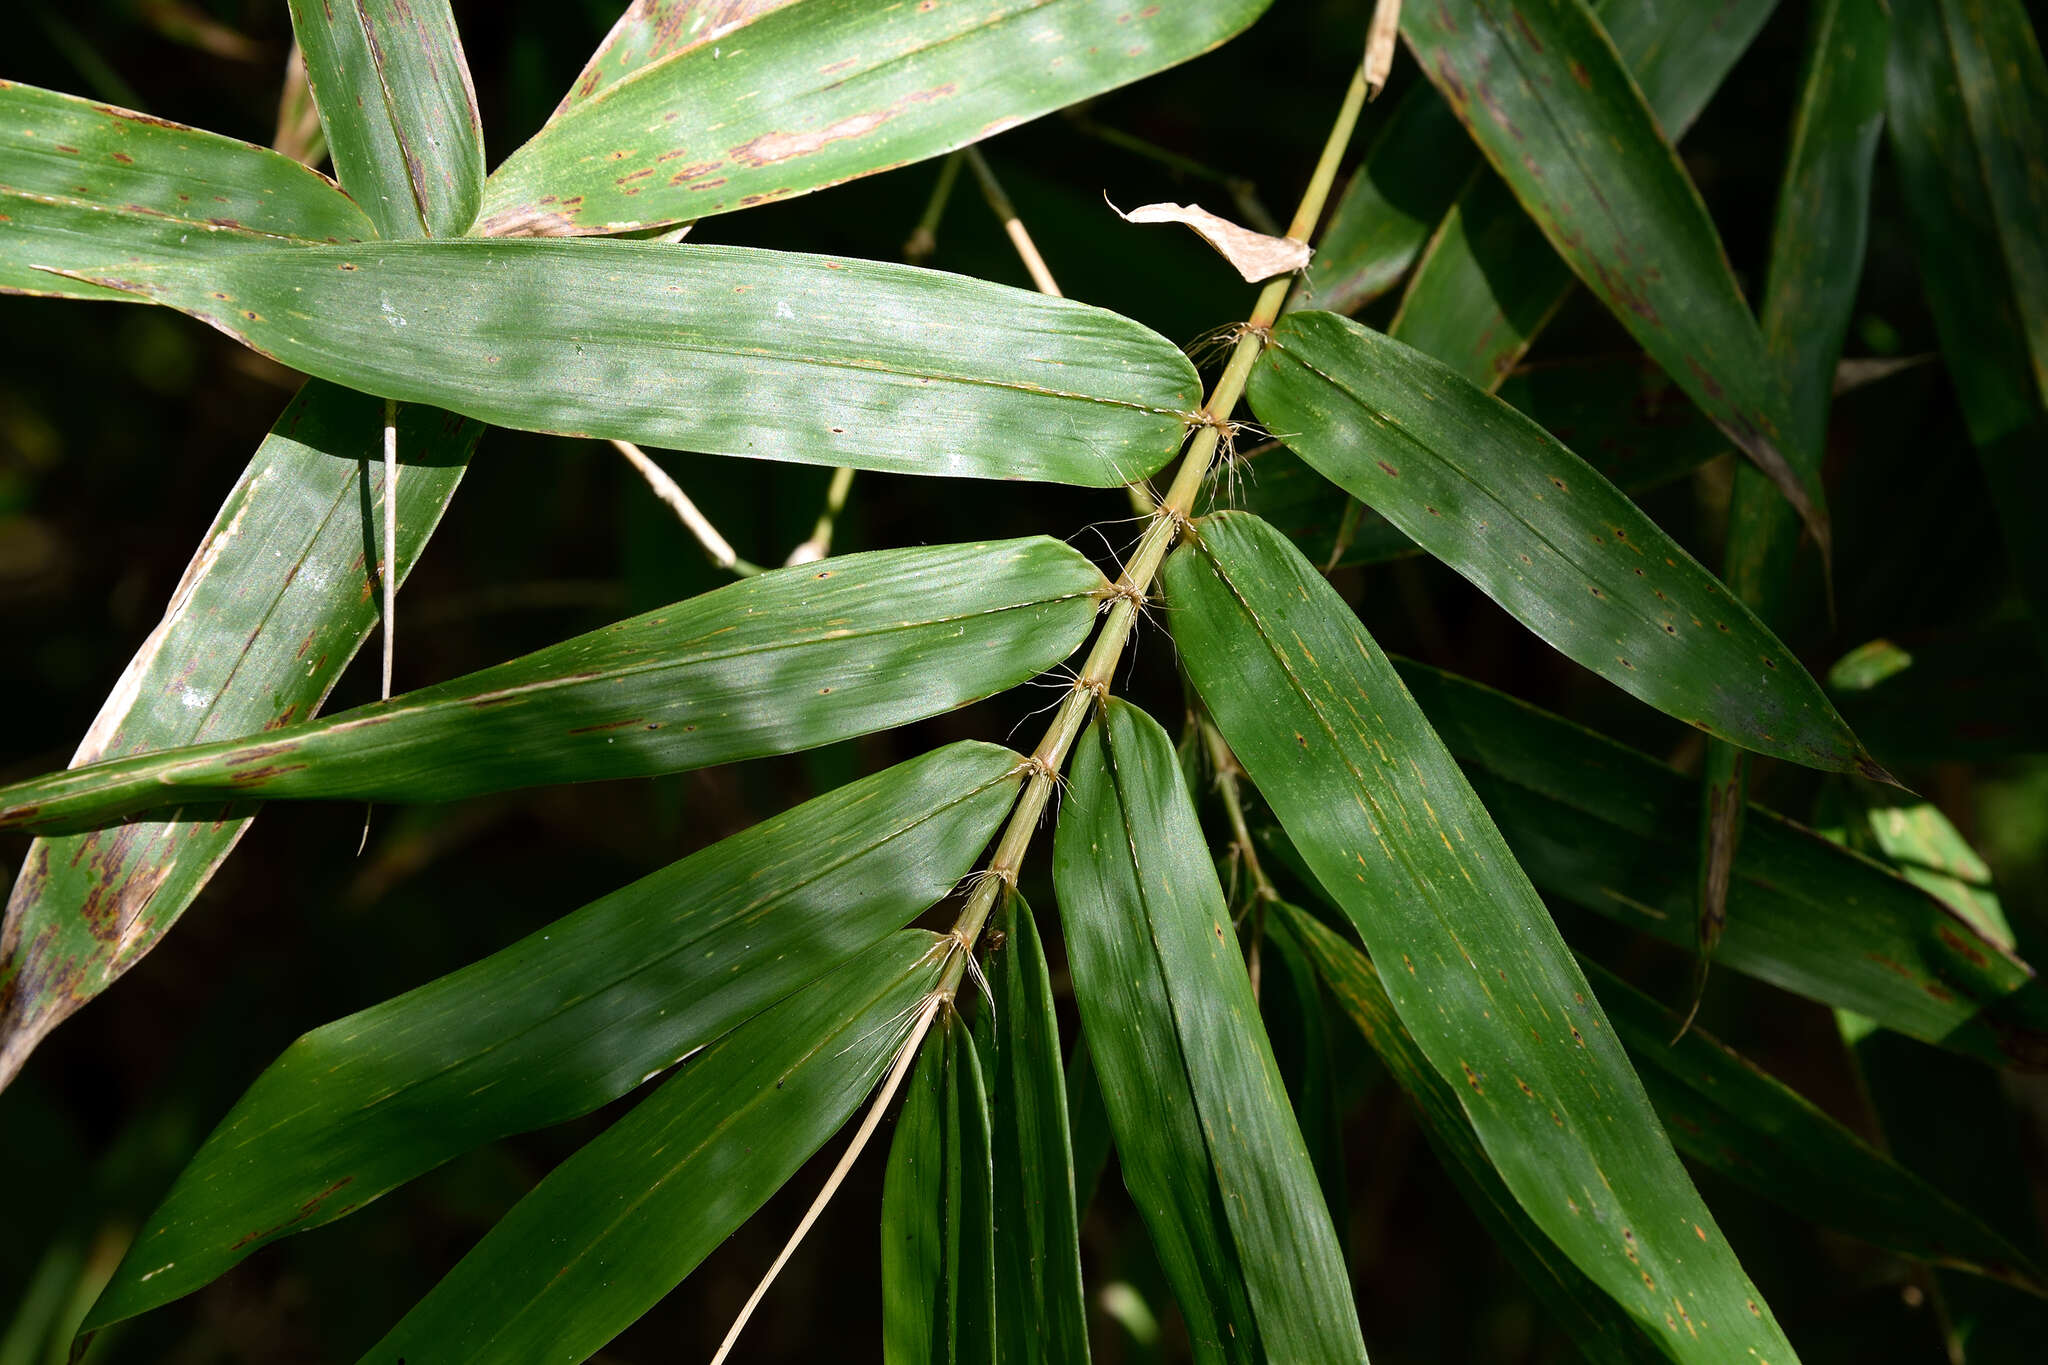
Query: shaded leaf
(84, 184)
(1968, 111)
(616, 1226)
(1188, 1075)
(788, 660)
(1493, 495)
(727, 350)
(1596, 1323)
(750, 103)
(1551, 104)
(570, 1017)
(398, 110)
(274, 604)
(1491, 995)
(1609, 828)
(1728, 1115)
(938, 1243)
(1976, 693)
(1040, 1312)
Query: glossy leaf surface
(398, 109)
(618, 1225)
(1162, 986)
(782, 100)
(276, 601)
(1476, 970)
(569, 1018)
(1534, 527)
(1727, 1114)
(1609, 828)
(785, 661)
(1596, 1323)
(938, 1243)
(84, 184)
(1041, 1313)
(727, 350)
(1489, 281)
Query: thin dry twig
(1006, 213)
(1379, 45)
(716, 547)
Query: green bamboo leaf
(398, 109)
(1418, 162)
(1040, 1311)
(655, 31)
(1394, 833)
(1968, 112)
(1489, 282)
(1089, 1121)
(1730, 1116)
(1292, 1005)
(1609, 828)
(621, 1223)
(1188, 1075)
(1535, 528)
(84, 185)
(570, 1017)
(938, 1241)
(1918, 842)
(782, 100)
(1598, 1327)
(785, 661)
(1973, 694)
(726, 350)
(270, 611)
(1622, 416)
(1567, 129)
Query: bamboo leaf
(1624, 417)
(1040, 1312)
(1967, 106)
(84, 184)
(621, 1223)
(1609, 828)
(726, 350)
(398, 109)
(1569, 132)
(1973, 694)
(1396, 836)
(1188, 1075)
(1535, 528)
(938, 1243)
(570, 1017)
(1488, 282)
(1598, 1327)
(271, 609)
(1730, 1116)
(715, 108)
(788, 660)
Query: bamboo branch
(1006, 213)
(924, 238)
(716, 547)
(820, 542)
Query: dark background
(122, 428)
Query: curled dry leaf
(1379, 44)
(1256, 256)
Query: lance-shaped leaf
(1732, 1117)
(396, 103)
(84, 184)
(621, 1223)
(1551, 105)
(1040, 1312)
(570, 1017)
(274, 604)
(1489, 282)
(1188, 1074)
(727, 350)
(1596, 1323)
(782, 100)
(938, 1211)
(1609, 828)
(1968, 111)
(785, 661)
(1418, 162)
(1475, 967)
(1493, 495)
(1622, 416)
